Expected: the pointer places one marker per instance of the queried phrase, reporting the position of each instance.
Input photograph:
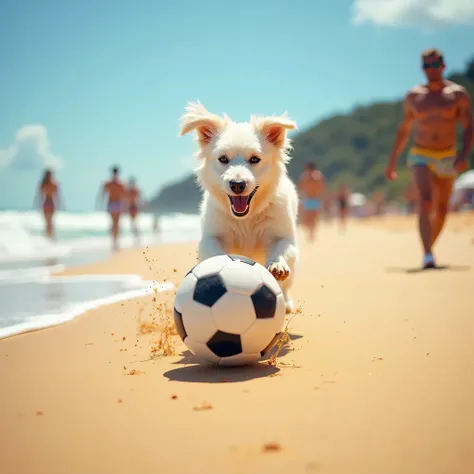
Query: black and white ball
(229, 310)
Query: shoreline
(81, 273)
(95, 272)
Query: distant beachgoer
(342, 199)
(117, 194)
(311, 186)
(435, 108)
(134, 201)
(48, 198)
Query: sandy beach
(378, 377)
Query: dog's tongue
(239, 203)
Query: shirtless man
(312, 186)
(435, 108)
(116, 195)
(133, 198)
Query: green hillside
(351, 148)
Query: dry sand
(379, 376)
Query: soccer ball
(229, 310)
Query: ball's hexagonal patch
(272, 343)
(198, 322)
(185, 292)
(201, 351)
(178, 321)
(241, 278)
(264, 301)
(233, 313)
(242, 258)
(223, 344)
(239, 359)
(209, 289)
(211, 266)
(257, 337)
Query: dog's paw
(281, 271)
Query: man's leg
(306, 219)
(312, 223)
(424, 182)
(443, 190)
(115, 228)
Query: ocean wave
(21, 233)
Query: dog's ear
(274, 128)
(197, 118)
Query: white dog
(250, 205)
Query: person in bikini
(117, 193)
(311, 186)
(435, 108)
(133, 198)
(48, 197)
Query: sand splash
(159, 322)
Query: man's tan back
(115, 190)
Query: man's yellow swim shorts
(440, 162)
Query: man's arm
(124, 194)
(465, 115)
(403, 132)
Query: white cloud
(417, 13)
(30, 151)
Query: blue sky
(91, 83)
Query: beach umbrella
(465, 181)
(357, 199)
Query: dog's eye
(223, 159)
(254, 160)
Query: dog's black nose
(237, 186)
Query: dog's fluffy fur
(264, 227)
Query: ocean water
(31, 298)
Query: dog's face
(240, 163)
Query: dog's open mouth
(240, 205)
